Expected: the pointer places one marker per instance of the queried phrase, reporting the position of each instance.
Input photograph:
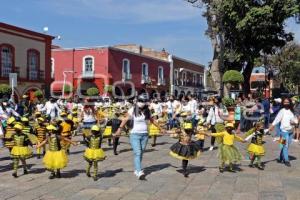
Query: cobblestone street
(164, 180)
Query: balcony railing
(145, 79)
(126, 76)
(5, 71)
(36, 75)
(88, 74)
(161, 81)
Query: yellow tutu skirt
(154, 133)
(94, 154)
(21, 152)
(107, 131)
(55, 160)
(257, 150)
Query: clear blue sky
(171, 24)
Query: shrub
(38, 94)
(5, 89)
(67, 88)
(227, 101)
(233, 76)
(108, 88)
(92, 91)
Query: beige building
(28, 54)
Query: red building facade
(125, 72)
(27, 54)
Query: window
(201, 80)
(126, 69)
(160, 73)
(194, 78)
(7, 60)
(184, 78)
(52, 68)
(145, 69)
(176, 76)
(88, 64)
(33, 62)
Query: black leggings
(213, 139)
(115, 143)
(184, 164)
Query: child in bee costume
(228, 153)
(154, 130)
(66, 127)
(93, 154)
(55, 158)
(200, 136)
(9, 132)
(20, 150)
(185, 149)
(256, 149)
(41, 131)
(115, 124)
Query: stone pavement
(164, 182)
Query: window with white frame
(201, 80)
(160, 74)
(126, 68)
(145, 69)
(6, 60)
(88, 64)
(176, 76)
(194, 78)
(52, 67)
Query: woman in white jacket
(287, 121)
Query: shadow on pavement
(155, 168)
(71, 173)
(110, 173)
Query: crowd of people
(48, 129)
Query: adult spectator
(287, 121)
(216, 116)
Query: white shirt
(193, 106)
(215, 115)
(173, 107)
(139, 122)
(50, 109)
(285, 117)
(186, 108)
(156, 107)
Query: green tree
(287, 62)
(241, 30)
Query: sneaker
(211, 148)
(275, 139)
(279, 160)
(136, 173)
(141, 175)
(221, 169)
(52, 176)
(95, 178)
(88, 174)
(15, 175)
(260, 167)
(25, 171)
(251, 165)
(288, 164)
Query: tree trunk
(247, 75)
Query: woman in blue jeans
(287, 120)
(141, 116)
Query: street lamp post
(64, 83)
